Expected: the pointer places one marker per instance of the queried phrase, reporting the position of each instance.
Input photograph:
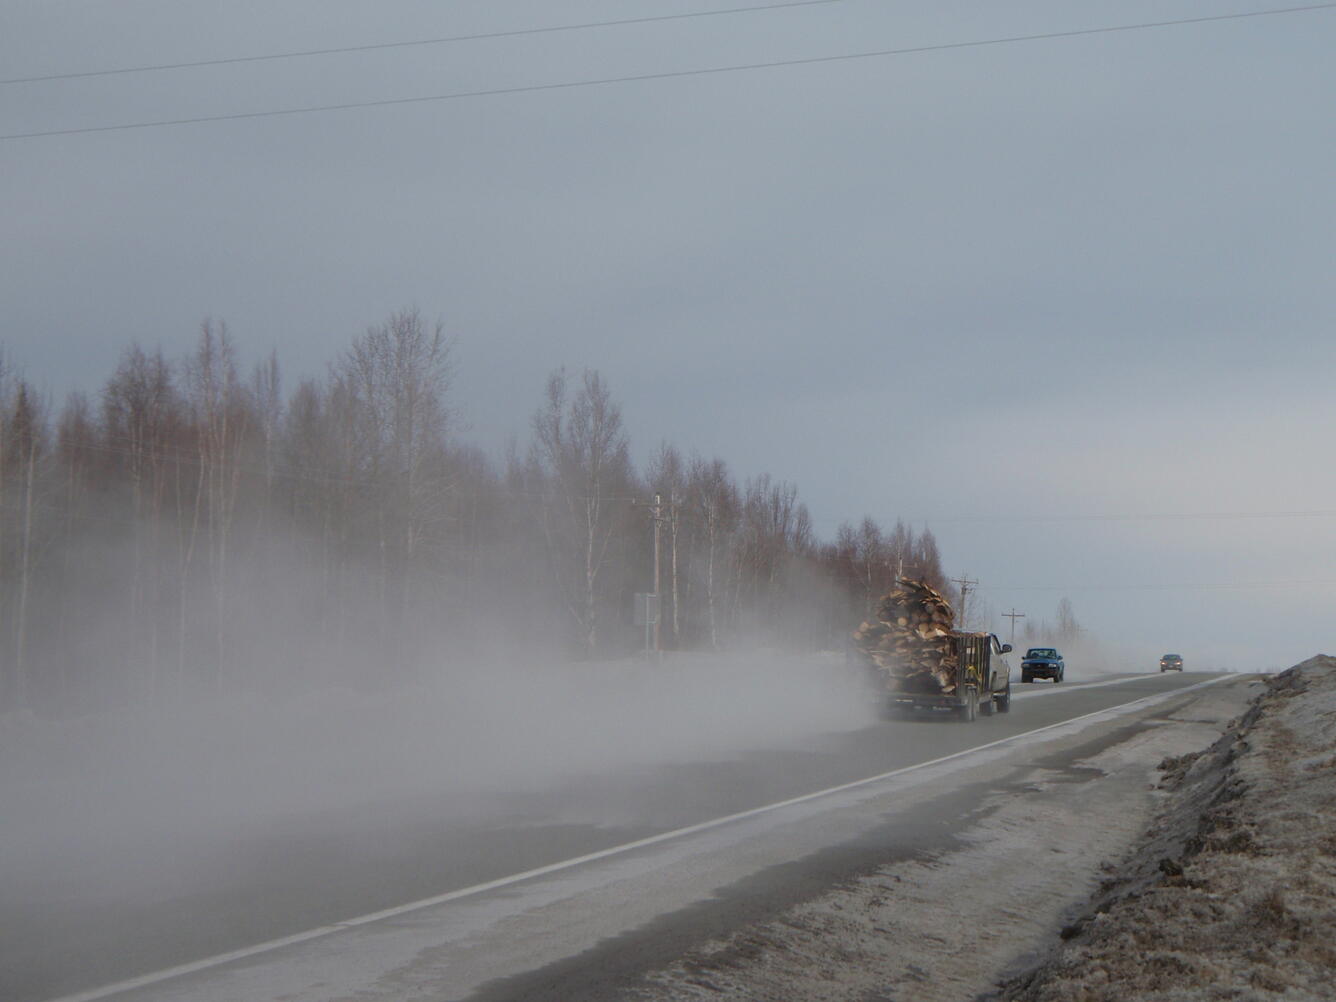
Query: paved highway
(504, 895)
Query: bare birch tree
(1069, 630)
(396, 377)
(712, 501)
(140, 414)
(267, 402)
(221, 418)
(27, 436)
(872, 560)
(581, 442)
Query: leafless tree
(221, 417)
(396, 377)
(1069, 630)
(712, 503)
(141, 415)
(27, 434)
(267, 401)
(873, 561)
(585, 451)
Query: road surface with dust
(599, 888)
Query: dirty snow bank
(947, 925)
(1232, 894)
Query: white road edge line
(1073, 686)
(194, 967)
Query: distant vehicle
(1171, 662)
(1042, 662)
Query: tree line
(196, 528)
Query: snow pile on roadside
(960, 896)
(1232, 895)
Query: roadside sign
(647, 608)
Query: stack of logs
(910, 639)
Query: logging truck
(978, 682)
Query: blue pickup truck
(1042, 662)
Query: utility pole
(1013, 615)
(965, 585)
(656, 510)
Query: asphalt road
(321, 880)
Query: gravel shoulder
(1231, 894)
(953, 925)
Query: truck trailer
(981, 681)
(919, 662)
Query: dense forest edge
(196, 529)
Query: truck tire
(1025, 676)
(1004, 700)
(1057, 678)
(987, 706)
(971, 708)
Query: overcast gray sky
(1045, 297)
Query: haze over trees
(196, 527)
(1066, 631)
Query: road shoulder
(1230, 893)
(948, 925)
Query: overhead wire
(1140, 517)
(1165, 586)
(664, 75)
(411, 43)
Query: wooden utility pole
(965, 585)
(656, 510)
(1013, 615)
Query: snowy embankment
(1232, 893)
(987, 896)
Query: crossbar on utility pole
(1013, 615)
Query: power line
(343, 50)
(668, 75)
(1168, 586)
(1142, 517)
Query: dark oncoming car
(1171, 662)
(1042, 662)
